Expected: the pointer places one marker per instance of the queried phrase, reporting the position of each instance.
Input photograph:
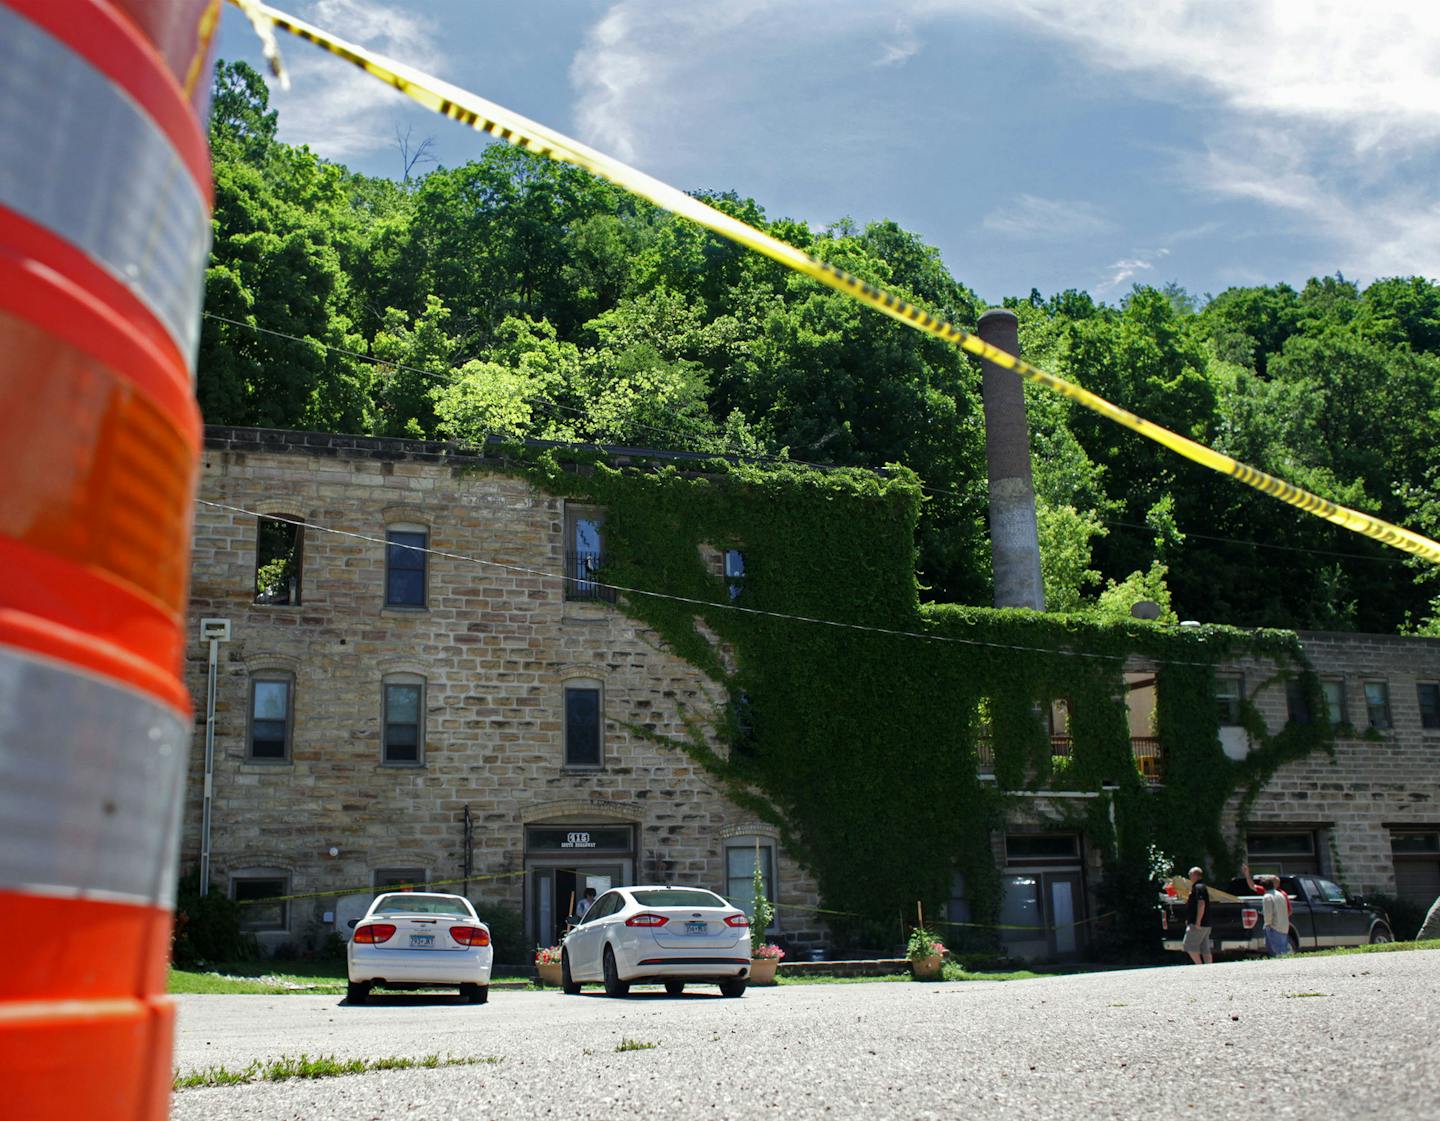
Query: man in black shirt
(1197, 921)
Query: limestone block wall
(495, 644)
(1378, 779)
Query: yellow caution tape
(209, 21)
(367, 889)
(485, 116)
(947, 922)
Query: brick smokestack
(1014, 539)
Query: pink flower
(769, 950)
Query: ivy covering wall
(859, 741)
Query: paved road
(1313, 1038)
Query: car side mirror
(1356, 901)
(353, 923)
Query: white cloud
(1374, 228)
(336, 108)
(1372, 69)
(1121, 271)
(1325, 112)
(632, 71)
(900, 49)
(1049, 219)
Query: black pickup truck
(1323, 915)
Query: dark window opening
(582, 727)
(1280, 844)
(1031, 847)
(1428, 694)
(398, 879)
(1297, 703)
(278, 549)
(1334, 692)
(734, 573)
(270, 718)
(1409, 844)
(742, 723)
(1229, 693)
(585, 555)
(261, 916)
(403, 720)
(405, 568)
(1377, 704)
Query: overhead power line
(729, 448)
(592, 582)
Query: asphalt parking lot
(1313, 1038)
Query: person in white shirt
(1276, 911)
(583, 904)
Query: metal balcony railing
(580, 580)
(1144, 749)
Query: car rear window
(420, 905)
(678, 897)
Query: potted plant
(547, 964)
(764, 956)
(764, 960)
(926, 953)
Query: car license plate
(422, 941)
(695, 927)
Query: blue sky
(1041, 143)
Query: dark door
(1326, 910)
(1352, 925)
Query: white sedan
(672, 935)
(416, 939)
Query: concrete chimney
(1014, 539)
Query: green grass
(1381, 948)
(952, 972)
(634, 1045)
(323, 1066)
(257, 980)
(784, 979)
(272, 978)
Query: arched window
(584, 721)
(272, 695)
(405, 564)
(402, 727)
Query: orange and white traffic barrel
(105, 206)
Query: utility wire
(731, 449)
(591, 582)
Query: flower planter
(927, 969)
(762, 970)
(549, 972)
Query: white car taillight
(374, 933)
(470, 935)
(645, 918)
(736, 920)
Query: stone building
(1366, 817)
(386, 715)
(421, 682)
(1370, 816)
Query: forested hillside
(517, 296)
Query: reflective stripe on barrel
(101, 174)
(90, 783)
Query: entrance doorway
(562, 861)
(1042, 902)
(556, 892)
